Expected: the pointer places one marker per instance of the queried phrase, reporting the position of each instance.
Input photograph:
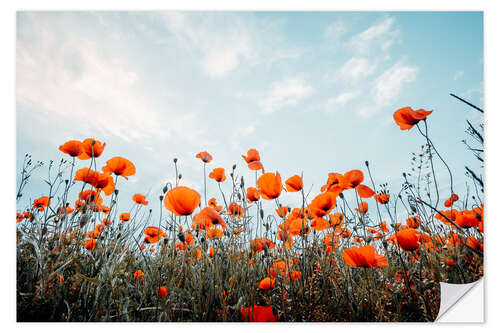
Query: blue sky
(314, 92)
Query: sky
(314, 92)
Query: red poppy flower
(362, 208)
(90, 244)
(364, 191)
(124, 217)
(352, 178)
(364, 256)
(119, 166)
(214, 233)
(382, 198)
(267, 283)
(282, 211)
(408, 239)
(182, 200)
(218, 175)
(333, 183)
(140, 199)
(211, 252)
(451, 200)
(235, 210)
(406, 117)
(161, 292)
(212, 202)
(258, 313)
(294, 184)
(41, 202)
(138, 274)
(320, 223)
(467, 219)
(91, 148)
(253, 195)
(323, 204)
(98, 180)
(413, 222)
(207, 218)
(269, 185)
(260, 244)
(204, 156)
(19, 217)
(73, 148)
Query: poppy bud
(234, 166)
(239, 196)
(181, 236)
(232, 175)
(242, 182)
(161, 197)
(261, 214)
(341, 196)
(66, 181)
(116, 191)
(180, 176)
(413, 208)
(165, 189)
(175, 160)
(366, 163)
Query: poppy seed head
(175, 160)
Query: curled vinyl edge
(451, 294)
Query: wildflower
(140, 199)
(41, 202)
(27, 215)
(73, 148)
(211, 252)
(182, 200)
(406, 117)
(138, 274)
(467, 219)
(294, 184)
(207, 218)
(235, 210)
(119, 166)
(153, 235)
(413, 222)
(362, 208)
(352, 179)
(282, 211)
(90, 244)
(218, 175)
(320, 223)
(296, 275)
(269, 185)
(124, 217)
(382, 198)
(473, 243)
(161, 292)
(253, 195)
(259, 244)
(364, 256)
(214, 233)
(253, 160)
(258, 313)
(267, 283)
(19, 217)
(98, 180)
(408, 239)
(204, 156)
(364, 191)
(383, 227)
(323, 204)
(91, 148)
(333, 183)
(451, 200)
(213, 203)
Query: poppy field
(354, 252)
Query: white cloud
(333, 104)
(224, 42)
(458, 75)
(382, 35)
(287, 92)
(356, 68)
(71, 78)
(387, 87)
(335, 30)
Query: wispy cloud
(387, 87)
(357, 68)
(458, 75)
(380, 36)
(286, 92)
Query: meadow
(354, 252)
